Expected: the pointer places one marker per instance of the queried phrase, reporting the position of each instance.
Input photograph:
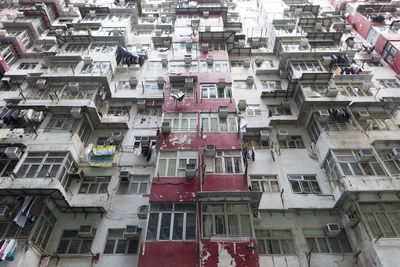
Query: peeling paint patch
(224, 257)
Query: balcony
(303, 69)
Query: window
(271, 85)
(117, 244)
(275, 242)
(306, 184)
(181, 121)
(318, 242)
(139, 140)
(228, 162)
(293, 141)
(150, 85)
(27, 66)
(390, 52)
(134, 185)
(264, 183)
(255, 141)
(217, 66)
(8, 55)
(99, 68)
(76, 48)
(71, 243)
(103, 48)
(172, 221)
(179, 87)
(47, 165)
(253, 110)
(227, 219)
(173, 163)
(125, 85)
(278, 110)
(181, 67)
(210, 91)
(211, 122)
(44, 228)
(13, 230)
(94, 185)
(6, 165)
(242, 85)
(60, 123)
(119, 111)
(306, 66)
(389, 83)
(353, 89)
(390, 161)
(152, 108)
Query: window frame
(304, 179)
(292, 142)
(179, 170)
(264, 183)
(323, 236)
(176, 121)
(267, 239)
(135, 181)
(101, 183)
(117, 239)
(224, 156)
(211, 122)
(71, 240)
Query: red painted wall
(173, 189)
(362, 24)
(242, 256)
(396, 63)
(380, 44)
(168, 254)
(225, 182)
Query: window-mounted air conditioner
(242, 43)
(207, 28)
(285, 103)
(375, 58)
(189, 44)
(124, 176)
(163, 18)
(190, 171)
(76, 174)
(221, 83)
(3, 33)
(282, 135)
(73, 87)
(242, 105)
(246, 63)
(365, 155)
(92, 13)
(87, 60)
(318, 25)
(76, 112)
(332, 92)
(363, 115)
(250, 80)
(131, 231)
(133, 81)
(117, 136)
(206, 14)
(332, 229)
(210, 60)
(41, 83)
(142, 212)
(323, 115)
(366, 85)
(13, 152)
(158, 32)
(204, 47)
(4, 214)
(223, 111)
(349, 220)
(396, 153)
(86, 231)
(264, 135)
(259, 60)
(20, 14)
(160, 81)
(189, 83)
(304, 42)
(188, 59)
(164, 62)
(210, 151)
(166, 127)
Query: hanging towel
(11, 255)
(45, 261)
(3, 248)
(10, 246)
(20, 219)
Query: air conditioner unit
(242, 43)
(76, 112)
(133, 81)
(131, 231)
(11, 16)
(87, 60)
(396, 153)
(332, 92)
(124, 176)
(163, 18)
(204, 47)
(221, 83)
(375, 58)
(189, 44)
(20, 14)
(282, 135)
(190, 171)
(160, 81)
(350, 220)
(207, 28)
(117, 136)
(188, 59)
(76, 174)
(164, 62)
(318, 25)
(86, 231)
(166, 43)
(250, 80)
(4, 214)
(259, 60)
(189, 83)
(363, 115)
(246, 63)
(332, 229)
(223, 111)
(323, 115)
(3, 33)
(13, 152)
(71, 7)
(366, 85)
(210, 60)
(166, 127)
(73, 87)
(210, 151)
(142, 212)
(264, 135)
(41, 83)
(158, 32)
(285, 103)
(297, 11)
(242, 105)
(92, 13)
(365, 155)
(206, 14)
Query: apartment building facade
(207, 133)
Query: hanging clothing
(153, 155)
(21, 219)
(9, 247)
(243, 127)
(253, 154)
(11, 254)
